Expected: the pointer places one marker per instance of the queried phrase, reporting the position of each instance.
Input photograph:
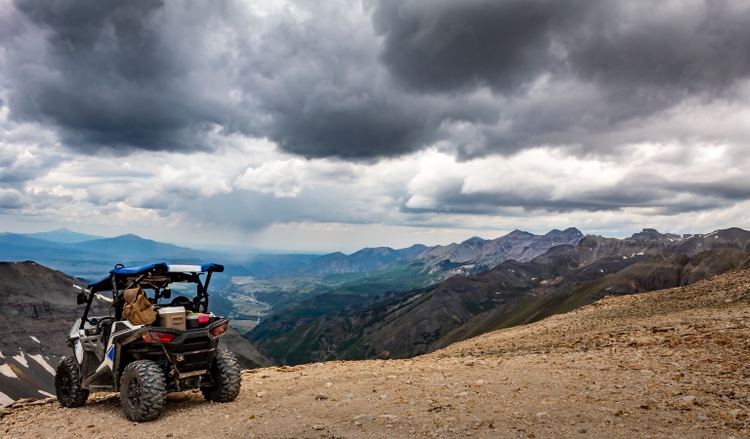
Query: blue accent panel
(210, 266)
(101, 284)
(138, 270)
(111, 353)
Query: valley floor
(667, 364)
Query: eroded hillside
(666, 364)
(513, 293)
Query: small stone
(389, 417)
(583, 430)
(363, 418)
(318, 427)
(260, 394)
(321, 396)
(687, 402)
(328, 384)
(392, 377)
(383, 396)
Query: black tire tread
(153, 390)
(77, 396)
(225, 372)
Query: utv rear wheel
(142, 391)
(225, 373)
(68, 384)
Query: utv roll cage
(168, 347)
(155, 276)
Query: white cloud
(282, 178)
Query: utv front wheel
(142, 391)
(225, 374)
(68, 384)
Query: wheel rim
(134, 393)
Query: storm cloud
(381, 79)
(401, 113)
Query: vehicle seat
(184, 302)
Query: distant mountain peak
(570, 231)
(473, 240)
(130, 236)
(63, 235)
(650, 234)
(518, 232)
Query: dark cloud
(76, 29)
(104, 76)
(479, 76)
(693, 47)
(370, 129)
(325, 95)
(450, 45)
(643, 190)
(567, 71)
(11, 199)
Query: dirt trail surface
(667, 364)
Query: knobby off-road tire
(68, 384)
(225, 373)
(142, 391)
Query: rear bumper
(192, 350)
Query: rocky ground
(667, 364)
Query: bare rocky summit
(666, 364)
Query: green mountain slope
(565, 278)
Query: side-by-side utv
(149, 343)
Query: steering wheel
(102, 321)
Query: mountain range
(91, 259)
(474, 254)
(348, 281)
(563, 278)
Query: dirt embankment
(667, 364)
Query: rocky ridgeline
(667, 364)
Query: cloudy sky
(334, 125)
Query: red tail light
(163, 337)
(219, 330)
(203, 319)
